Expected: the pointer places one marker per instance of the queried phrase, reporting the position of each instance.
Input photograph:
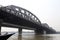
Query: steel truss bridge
(14, 16)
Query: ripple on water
(32, 36)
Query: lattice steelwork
(25, 14)
(20, 12)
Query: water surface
(32, 36)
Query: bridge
(17, 17)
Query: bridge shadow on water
(32, 36)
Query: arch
(24, 13)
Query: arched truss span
(20, 12)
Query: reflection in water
(19, 37)
(32, 36)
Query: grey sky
(48, 11)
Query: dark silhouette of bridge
(13, 16)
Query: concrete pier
(0, 29)
(20, 31)
(39, 31)
(0, 25)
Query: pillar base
(50, 32)
(39, 31)
(20, 31)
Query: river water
(33, 36)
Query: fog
(48, 11)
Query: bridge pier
(0, 24)
(0, 29)
(39, 31)
(50, 32)
(19, 31)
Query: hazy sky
(48, 11)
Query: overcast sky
(48, 11)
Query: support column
(39, 31)
(0, 25)
(49, 32)
(0, 29)
(19, 31)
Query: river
(32, 36)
